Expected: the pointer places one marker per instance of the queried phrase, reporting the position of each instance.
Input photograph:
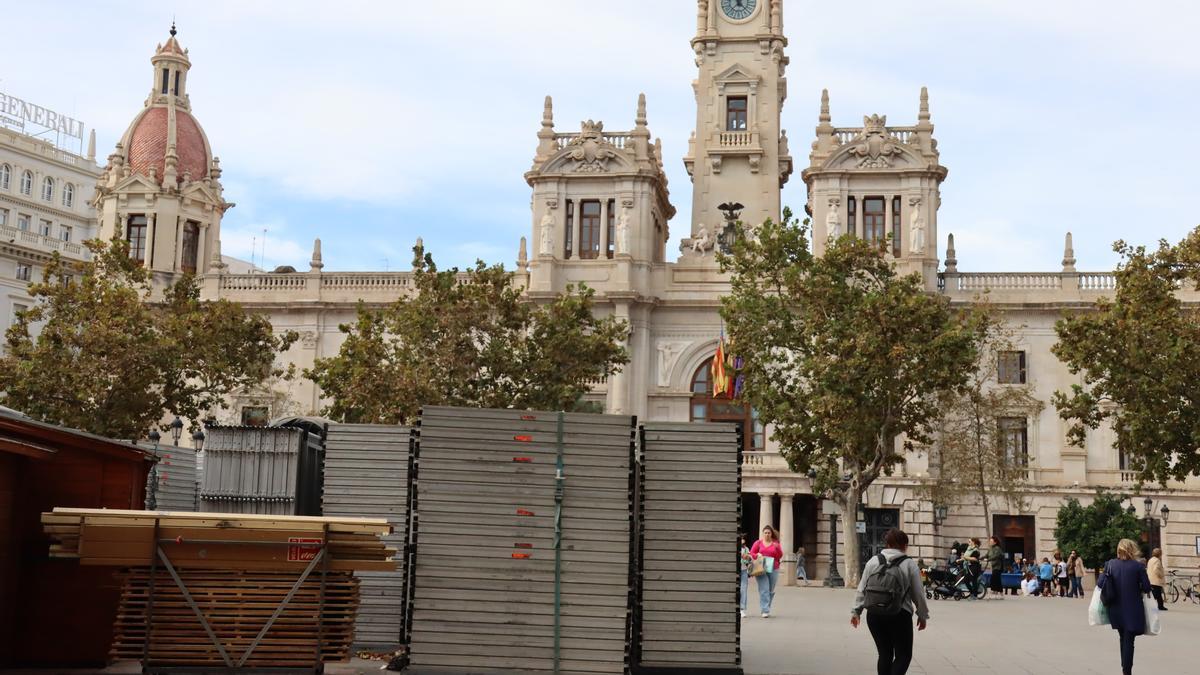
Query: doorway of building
(1151, 538)
(721, 409)
(1017, 535)
(878, 522)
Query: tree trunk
(850, 549)
(983, 498)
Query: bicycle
(1190, 590)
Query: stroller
(952, 583)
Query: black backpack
(886, 588)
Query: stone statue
(667, 353)
(701, 242)
(623, 232)
(547, 234)
(833, 219)
(916, 228)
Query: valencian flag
(722, 384)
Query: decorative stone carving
(668, 354)
(546, 230)
(874, 145)
(714, 162)
(833, 219)
(589, 149)
(916, 228)
(702, 242)
(308, 339)
(622, 242)
(783, 143)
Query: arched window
(5, 176)
(48, 188)
(27, 183)
(706, 408)
(68, 195)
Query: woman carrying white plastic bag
(1097, 612)
(1153, 626)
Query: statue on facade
(547, 233)
(701, 242)
(833, 218)
(623, 232)
(916, 228)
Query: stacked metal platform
(690, 494)
(516, 569)
(366, 474)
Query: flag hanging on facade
(721, 382)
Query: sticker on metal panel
(303, 553)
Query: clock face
(738, 9)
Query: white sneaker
(743, 613)
(766, 615)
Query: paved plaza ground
(809, 633)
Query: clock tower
(738, 153)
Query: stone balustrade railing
(736, 139)
(262, 282)
(847, 134)
(982, 281)
(1097, 281)
(347, 287)
(764, 461)
(43, 243)
(618, 139)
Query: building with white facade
(601, 213)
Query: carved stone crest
(874, 145)
(668, 354)
(308, 339)
(590, 150)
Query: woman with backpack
(1122, 586)
(891, 592)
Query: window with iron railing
(1014, 441)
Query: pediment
(601, 159)
(858, 155)
(136, 182)
(199, 192)
(736, 73)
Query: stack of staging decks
(522, 537)
(690, 493)
(366, 474)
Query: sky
(369, 124)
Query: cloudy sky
(369, 124)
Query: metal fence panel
(177, 479)
(251, 469)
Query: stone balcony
(373, 288)
(1037, 287)
(43, 244)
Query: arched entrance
(707, 408)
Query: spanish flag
(721, 382)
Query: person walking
(1071, 575)
(1060, 574)
(1126, 613)
(1079, 572)
(890, 616)
(1046, 577)
(995, 558)
(801, 573)
(972, 561)
(746, 561)
(767, 547)
(1158, 577)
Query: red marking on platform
(521, 556)
(529, 418)
(305, 551)
(523, 512)
(523, 439)
(524, 460)
(522, 545)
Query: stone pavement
(809, 633)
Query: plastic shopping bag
(1153, 626)
(770, 564)
(1097, 612)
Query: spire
(640, 120)
(951, 255)
(641, 134)
(91, 153)
(523, 256)
(824, 117)
(172, 31)
(923, 114)
(548, 113)
(316, 264)
(1069, 255)
(216, 262)
(546, 146)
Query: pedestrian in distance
(1071, 575)
(1046, 577)
(1129, 584)
(1158, 577)
(801, 573)
(890, 590)
(746, 561)
(1060, 574)
(972, 560)
(767, 547)
(995, 559)
(1079, 572)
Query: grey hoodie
(916, 591)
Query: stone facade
(600, 215)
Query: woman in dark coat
(1130, 584)
(996, 564)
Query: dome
(147, 144)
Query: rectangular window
(851, 216)
(255, 416)
(177, 74)
(1010, 367)
(1014, 441)
(191, 246)
(166, 78)
(24, 272)
(897, 249)
(660, 242)
(44, 228)
(589, 229)
(735, 113)
(874, 220)
(136, 236)
(569, 239)
(612, 229)
(65, 231)
(23, 223)
(3, 217)
(1122, 460)
(17, 309)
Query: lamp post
(198, 440)
(833, 579)
(176, 430)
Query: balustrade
(736, 139)
(1097, 281)
(980, 281)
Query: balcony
(43, 243)
(764, 462)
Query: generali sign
(36, 114)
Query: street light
(154, 437)
(198, 440)
(833, 579)
(176, 430)
(1165, 512)
(940, 512)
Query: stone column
(151, 232)
(765, 513)
(786, 540)
(603, 229)
(576, 229)
(618, 394)
(889, 226)
(202, 250)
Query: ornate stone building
(601, 213)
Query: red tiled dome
(148, 145)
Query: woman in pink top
(768, 547)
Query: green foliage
(113, 357)
(1139, 357)
(468, 339)
(844, 357)
(1094, 530)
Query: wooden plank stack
(366, 474)
(690, 509)
(238, 569)
(483, 582)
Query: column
(888, 227)
(765, 513)
(576, 229)
(786, 540)
(151, 232)
(603, 229)
(618, 394)
(202, 250)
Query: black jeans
(1126, 651)
(893, 637)
(1158, 596)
